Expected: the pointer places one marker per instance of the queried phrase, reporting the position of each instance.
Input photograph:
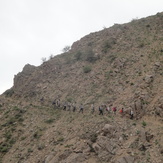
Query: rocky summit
(57, 112)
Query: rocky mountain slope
(120, 66)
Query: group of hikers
(101, 108)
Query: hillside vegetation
(119, 66)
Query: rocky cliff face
(120, 65)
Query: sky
(34, 29)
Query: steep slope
(34, 134)
(120, 66)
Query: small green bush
(144, 124)
(69, 99)
(93, 138)
(141, 45)
(30, 150)
(37, 135)
(78, 55)
(60, 139)
(90, 56)
(87, 69)
(4, 148)
(41, 146)
(68, 145)
(49, 121)
(111, 58)
(108, 45)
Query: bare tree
(66, 48)
(43, 59)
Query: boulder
(108, 129)
(75, 158)
(149, 79)
(159, 111)
(104, 148)
(125, 159)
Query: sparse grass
(78, 55)
(131, 84)
(87, 69)
(8, 143)
(23, 138)
(90, 56)
(49, 121)
(108, 44)
(69, 99)
(60, 139)
(144, 124)
(68, 145)
(108, 74)
(141, 45)
(4, 148)
(41, 146)
(111, 58)
(37, 135)
(30, 150)
(93, 137)
(134, 124)
(156, 142)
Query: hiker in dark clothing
(42, 100)
(100, 110)
(64, 106)
(54, 103)
(81, 108)
(93, 108)
(74, 107)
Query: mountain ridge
(119, 66)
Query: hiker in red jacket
(121, 111)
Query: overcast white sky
(33, 29)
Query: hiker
(81, 108)
(93, 108)
(74, 107)
(121, 111)
(54, 103)
(100, 110)
(42, 100)
(114, 110)
(108, 109)
(131, 114)
(59, 104)
(69, 106)
(64, 106)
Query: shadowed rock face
(21, 77)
